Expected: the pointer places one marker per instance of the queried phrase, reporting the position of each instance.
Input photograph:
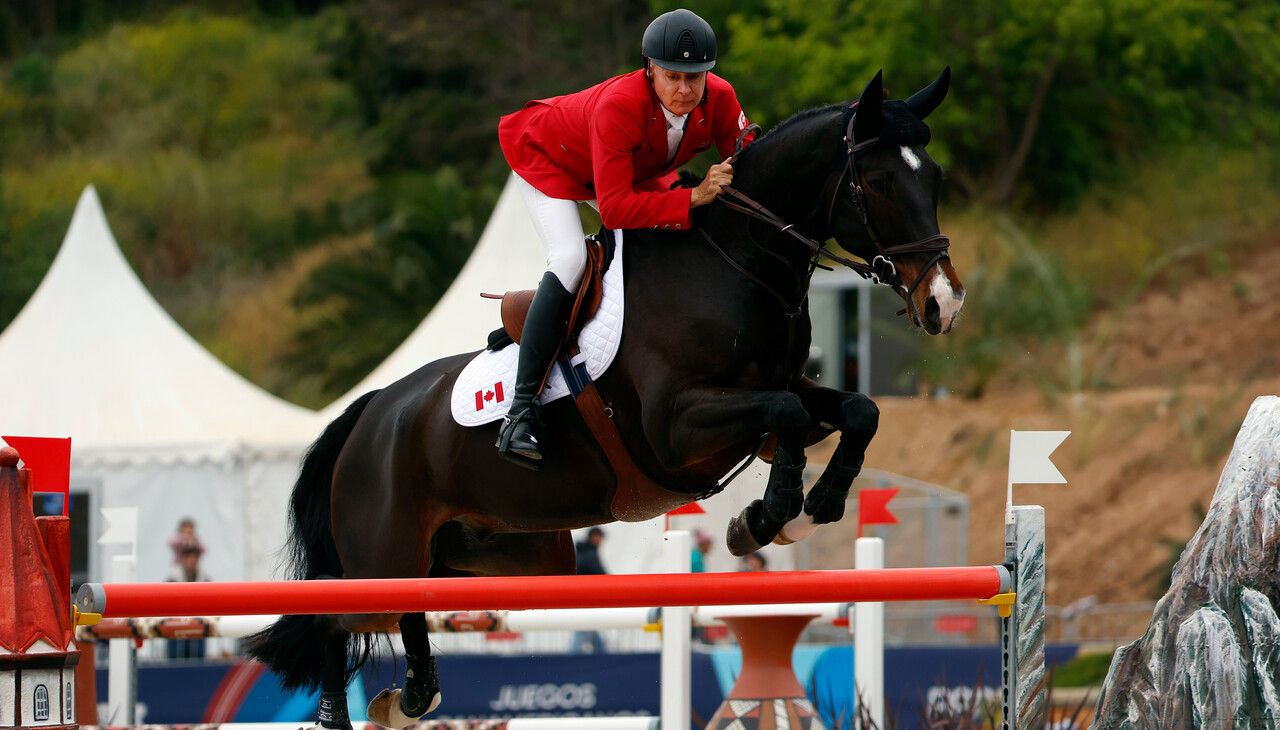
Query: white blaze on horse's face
(948, 300)
(910, 157)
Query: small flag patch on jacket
(485, 396)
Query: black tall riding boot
(543, 331)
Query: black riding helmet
(680, 41)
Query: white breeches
(560, 228)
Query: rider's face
(679, 92)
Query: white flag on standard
(122, 526)
(1029, 457)
(1029, 462)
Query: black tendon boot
(333, 711)
(543, 331)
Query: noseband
(881, 270)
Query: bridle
(881, 270)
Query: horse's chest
(755, 357)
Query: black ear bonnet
(901, 127)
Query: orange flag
(50, 463)
(873, 507)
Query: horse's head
(884, 205)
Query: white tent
(156, 421)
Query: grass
(1086, 670)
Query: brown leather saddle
(515, 304)
(638, 498)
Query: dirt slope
(1185, 365)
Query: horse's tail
(290, 647)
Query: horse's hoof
(385, 709)
(748, 532)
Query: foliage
(1016, 292)
(1047, 98)
(434, 77)
(1033, 283)
(27, 25)
(355, 305)
(1093, 148)
(214, 144)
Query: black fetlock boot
(543, 332)
(421, 688)
(333, 711)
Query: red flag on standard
(487, 396)
(50, 463)
(693, 508)
(873, 507)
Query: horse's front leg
(708, 420)
(856, 417)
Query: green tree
(434, 77)
(357, 307)
(1046, 97)
(218, 147)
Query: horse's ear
(870, 110)
(923, 102)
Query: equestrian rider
(615, 146)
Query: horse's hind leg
(333, 681)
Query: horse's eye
(878, 183)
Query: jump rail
(403, 595)
(606, 722)
(457, 622)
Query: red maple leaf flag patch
(485, 396)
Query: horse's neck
(787, 185)
(786, 175)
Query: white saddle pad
(485, 386)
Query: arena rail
(520, 723)
(402, 595)
(459, 622)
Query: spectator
(187, 570)
(702, 546)
(184, 537)
(589, 564)
(753, 562)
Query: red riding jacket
(609, 143)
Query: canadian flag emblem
(485, 396)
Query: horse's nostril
(932, 314)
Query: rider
(615, 146)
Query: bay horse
(711, 363)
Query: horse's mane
(778, 133)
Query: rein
(881, 270)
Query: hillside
(1143, 456)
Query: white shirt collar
(674, 121)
